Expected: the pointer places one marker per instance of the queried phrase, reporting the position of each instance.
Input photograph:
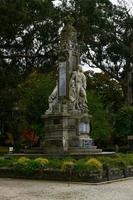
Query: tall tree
(106, 36)
(28, 39)
(28, 33)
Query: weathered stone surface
(67, 122)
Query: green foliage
(6, 162)
(93, 164)
(55, 164)
(28, 41)
(101, 128)
(34, 94)
(107, 88)
(28, 166)
(80, 166)
(33, 102)
(42, 161)
(106, 36)
(67, 165)
(116, 162)
(87, 165)
(29, 35)
(123, 124)
(127, 158)
(27, 28)
(23, 161)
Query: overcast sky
(128, 2)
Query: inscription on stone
(62, 79)
(84, 127)
(75, 62)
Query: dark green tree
(28, 33)
(100, 121)
(123, 126)
(28, 39)
(108, 89)
(105, 33)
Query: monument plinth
(67, 122)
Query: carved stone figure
(77, 90)
(72, 94)
(53, 99)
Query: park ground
(16, 189)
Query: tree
(101, 127)
(28, 33)
(105, 32)
(123, 126)
(107, 89)
(28, 39)
(33, 97)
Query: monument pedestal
(68, 133)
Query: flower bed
(88, 169)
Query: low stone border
(57, 175)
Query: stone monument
(67, 122)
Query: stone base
(76, 155)
(68, 133)
(89, 150)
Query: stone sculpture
(67, 122)
(53, 100)
(77, 90)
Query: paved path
(12, 189)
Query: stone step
(32, 150)
(80, 148)
(84, 150)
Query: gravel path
(12, 189)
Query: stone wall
(91, 177)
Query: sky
(128, 2)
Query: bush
(67, 165)
(80, 166)
(93, 164)
(55, 163)
(30, 168)
(127, 159)
(42, 161)
(23, 161)
(116, 162)
(87, 165)
(6, 163)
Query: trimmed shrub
(42, 161)
(23, 161)
(55, 164)
(116, 162)
(94, 164)
(67, 165)
(80, 166)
